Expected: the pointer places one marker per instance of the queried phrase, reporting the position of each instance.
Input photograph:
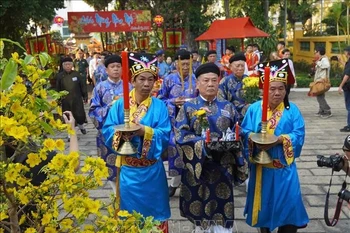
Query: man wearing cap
(206, 192)
(100, 73)
(81, 65)
(142, 175)
(211, 56)
(345, 86)
(162, 66)
(322, 70)
(225, 60)
(103, 97)
(71, 81)
(195, 62)
(274, 197)
(346, 149)
(231, 87)
(176, 89)
(93, 65)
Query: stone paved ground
(322, 137)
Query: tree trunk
(102, 41)
(347, 22)
(266, 10)
(227, 8)
(13, 215)
(192, 45)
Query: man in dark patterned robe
(206, 192)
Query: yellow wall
(331, 44)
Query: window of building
(336, 48)
(320, 44)
(305, 45)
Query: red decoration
(109, 21)
(158, 19)
(39, 44)
(266, 93)
(125, 73)
(237, 131)
(173, 38)
(207, 135)
(143, 42)
(58, 20)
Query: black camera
(336, 162)
(345, 195)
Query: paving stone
(314, 226)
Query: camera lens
(345, 195)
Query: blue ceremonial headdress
(279, 72)
(143, 62)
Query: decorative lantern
(158, 19)
(58, 20)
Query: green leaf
(13, 42)
(47, 73)
(3, 63)
(28, 59)
(47, 127)
(9, 75)
(56, 95)
(42, 104)
(43, 60)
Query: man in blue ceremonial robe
(103, 97)
(231, 86)
(142, 175)
(206, 192)
(175, 90)
(274, 196)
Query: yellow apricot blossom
(30, 230)
(60, 144)
(16, 107)
(46, 218)
(19, 89)
(50, 230)
(33, 159)
(20, 133)
(23, 197)
(4, 100)
(3, 215)
(66, 224)
(50, 144)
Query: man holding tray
(274, 195)
(206, 192)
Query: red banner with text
(109, 21)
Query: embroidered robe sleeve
(189, 145)
(222, 92)
(98, 110)
(164, 91)
(294, 139)
(114, 117)
(157, 135)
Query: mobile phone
(67, 115)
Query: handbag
(319, 87)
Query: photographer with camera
(344, 86)
(337, 163)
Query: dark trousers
(347, 105)
(282, 229)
